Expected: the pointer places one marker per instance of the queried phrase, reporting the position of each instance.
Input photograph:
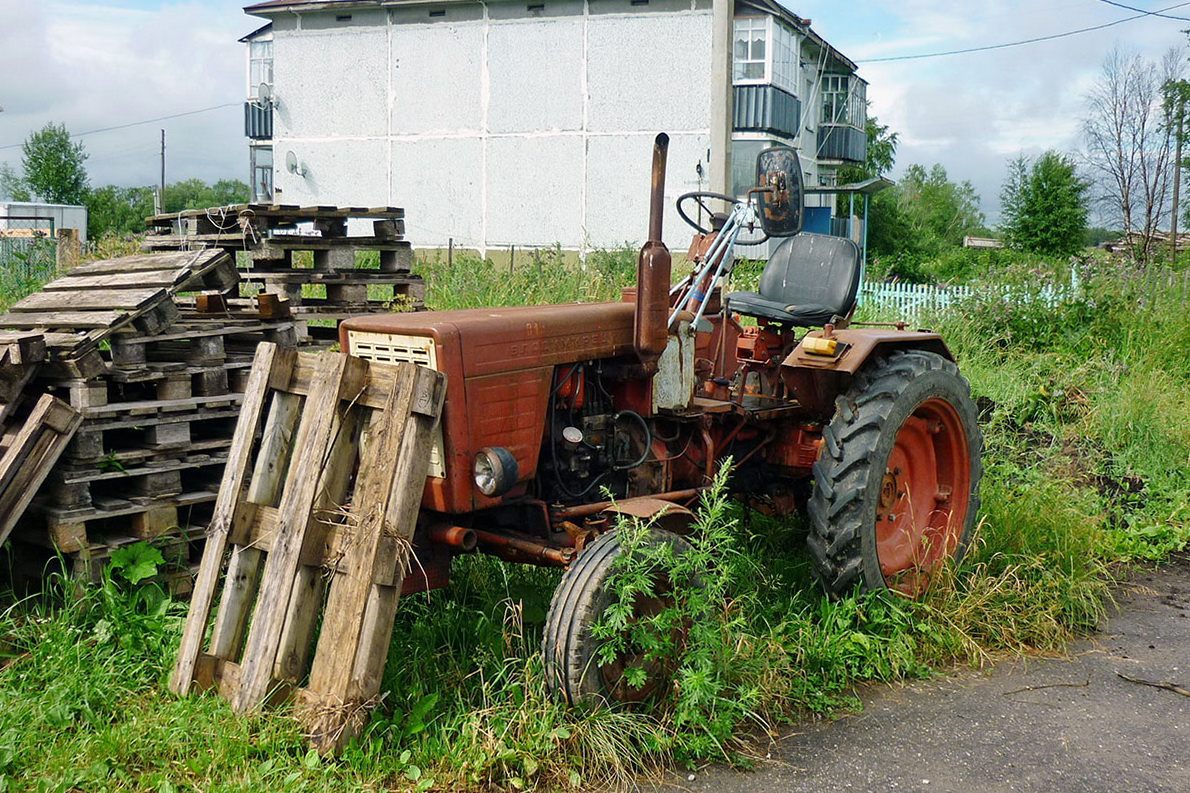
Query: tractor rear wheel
(896, 485)
(568, 648)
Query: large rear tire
(896, 486)
(568, 648)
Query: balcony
(845, 143)
(766, 108)
(258, 121)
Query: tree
(1043, 205)
(12, 184)
(53, 164)
(122, 210)
(197, 194)
(1128, 132)
(118, 210)
(940, 212)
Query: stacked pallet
(158, 384)
(347, 274)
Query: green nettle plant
(702, 633)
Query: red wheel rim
(924, 496)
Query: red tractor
(559, 419)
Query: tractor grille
(393, 348)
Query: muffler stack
(653, 267)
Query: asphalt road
(1041, 725)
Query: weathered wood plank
(160, 279)
(176, 262)
(101, 300)
(64, 319)
(272, 366)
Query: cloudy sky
(102, 64)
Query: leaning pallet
(322, 512)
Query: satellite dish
(264, 95)
(292, 165)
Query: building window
(785, 46)
(834, 99)
(844, 100)
(260, 66)
(748, 55)
(262, 173)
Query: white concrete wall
(493, 127)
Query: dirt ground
(1043, 725)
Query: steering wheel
(700, 199)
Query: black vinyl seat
(809, 279)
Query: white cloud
(95, 65)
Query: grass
(1088, 455)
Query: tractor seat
(809, 279)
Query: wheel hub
(922, 506)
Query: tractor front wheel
(896, 486)
(570, 650)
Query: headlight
(495, 470)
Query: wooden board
(64, 319)
(301, 512)
(175, 271)
(30, 456)
(105, 300)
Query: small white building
(29, 219)
(531, 122)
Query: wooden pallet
(75, 486)
(30, 454)
(298, 525)
(77, 312)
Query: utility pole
(161, 188)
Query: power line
(1021, 42)
(1142, 11)
(139, 123)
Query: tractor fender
(666, 514)
(815, 378)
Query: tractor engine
(589, 444)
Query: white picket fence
(916, 302)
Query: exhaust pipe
(653, 267)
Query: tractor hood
(497, 340)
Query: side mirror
(780, 192)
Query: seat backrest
(813, 269)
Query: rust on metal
(523, 549)
(583, 510)
(459, 537)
